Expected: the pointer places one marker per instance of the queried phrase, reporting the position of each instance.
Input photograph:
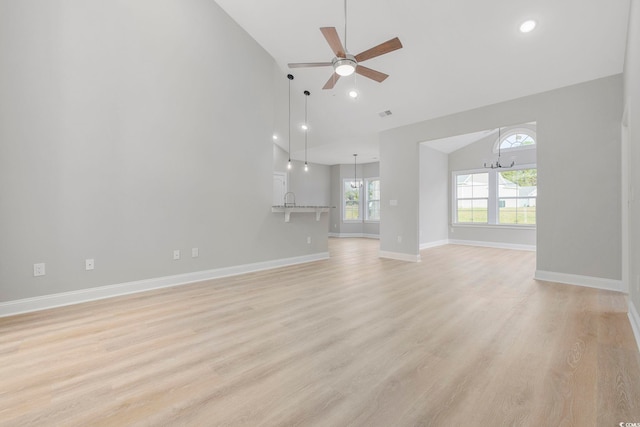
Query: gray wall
(311, 188)
(579, 226)
(632, 103)
(337, 226)
(434, 198)
(123, 136)
(473, 156)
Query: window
(351, 200)
(496, 197)
(516, 139)
(517, 191)
(373, 199)
(472, 197)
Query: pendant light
(354, 184)
(497, 164)
(290, 77)
(306, 130)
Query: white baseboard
(574, 279)
(434, 244)
(354, 235)
(44, 302)
(634, 318)
(497, 245)
(399, 256)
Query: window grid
(472, 198)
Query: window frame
(367, 200)
(530, 132)
(456, 198)
(344, 200)
(516, 198)
(493, 199)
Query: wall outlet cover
(176, 254)
(39, 269)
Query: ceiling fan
(344, 63)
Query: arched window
(516, 139)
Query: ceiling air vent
(385, 113)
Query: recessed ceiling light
(527, 26)
(353, 93)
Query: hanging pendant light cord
(499, 144)
(290, 77)
(355, 172)
(306, 93)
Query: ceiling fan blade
(372, 74)
(332, 81)
(333, 39)
(381, 49)
(309, 64)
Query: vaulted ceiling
(457, 55)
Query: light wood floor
(464, 338)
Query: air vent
(385, 113)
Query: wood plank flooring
(466, 337)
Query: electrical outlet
(88, 264)
(176, 254)
(308, 240)
(195, 253)
(399, 239)
(38, 269)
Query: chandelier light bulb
(289, 164)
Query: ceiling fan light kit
(345, 66)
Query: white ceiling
(457, 55)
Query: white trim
(434, 244)
(399, 256)
(494, 226)
(44, 302)
(634, 319)
(574, 279)
(355, 235)
(497, 245)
